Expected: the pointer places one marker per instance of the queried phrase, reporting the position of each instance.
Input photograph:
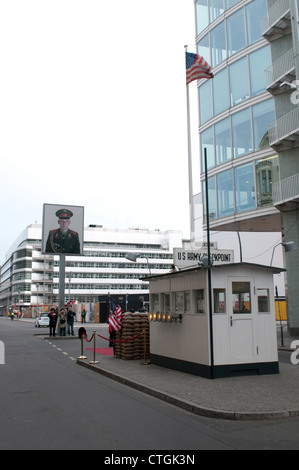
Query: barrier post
(82, 356)
(94, 349)
(144, 362)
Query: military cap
(64, 214)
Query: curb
(190, 406)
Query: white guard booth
(235, 335)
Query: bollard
(145, 362)
(82, 356)
(94, 349)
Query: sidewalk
(245, 397)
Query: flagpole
(191, 205)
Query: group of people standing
(65, 320)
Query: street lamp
(134, 256)
(288, 246)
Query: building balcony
(285, 193)
(282, 70)
(277, 21)
(284, 133)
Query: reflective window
(266, 173)
(225, 193)
(220, 92)
(254, 11)
(202, 15)
(244, 188)
(216, 9)
(223, 142)
(207, 141)
(218, 44)
(241, 133)
(235, 32)
(212, 199)
(257, 73)
(238, 79)
(230, 3)
(205, 101)
(263, 115)
(203, 48)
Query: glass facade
(234, 108)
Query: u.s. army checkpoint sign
(191, 258)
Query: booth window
(241, 297)
(179, 301)
(219, 301)
(187, 301)
(155, 302)
(199, 301)
(263, 300)
(166, 307)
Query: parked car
(42, 320)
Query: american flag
(115, 315)
(196, 68)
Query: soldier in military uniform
(63, 240)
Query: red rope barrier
(116, 341)
(88, 340)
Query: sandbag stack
(133, 325)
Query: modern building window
(257, 73)
(266, 173)
(235, 32)
(205, 101)
(203, 48)
(223, 148)
(220, 92)
(254, 11)
(202, 15)
(230, 3)
(241, 133)
(207, 141)
(244, 188)
(216, 8)
(212, 199)
(218, 45)
(238, 80)
(263, 115)
(225, 193)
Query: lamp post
(37, 286)
(288, 246)
(134, 256)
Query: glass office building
(248, 122)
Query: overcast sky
(93, 112)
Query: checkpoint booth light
(165, 317)
(234, 335)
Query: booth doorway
(242, 320)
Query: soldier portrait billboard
(63, 228)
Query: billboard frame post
(61, 298)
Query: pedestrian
(83, 315)
(70, 321)
(52, 321)
(62, 322)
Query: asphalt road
(49, 402)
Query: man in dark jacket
(70, 321)
(52, 321)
